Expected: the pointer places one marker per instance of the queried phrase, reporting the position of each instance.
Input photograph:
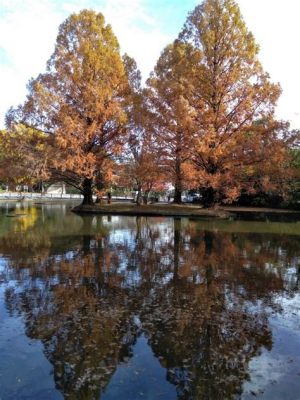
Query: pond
(110, 307)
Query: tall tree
(79, 101)
(170, 112)
(233, 102)
(23, 156)
(140, 166)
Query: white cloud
(27, 36)
(28, 30)
(136, 32)
(275, 26)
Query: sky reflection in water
(147, 308)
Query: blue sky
(28, 30)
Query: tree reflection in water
(202, 298)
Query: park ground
(174, 210)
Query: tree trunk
(98, 200)
(209, 197)
(146, 196)
(177, 194)
(178, 182)
(87, 192)
(139, 196)
(99, 183)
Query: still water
(108, 307)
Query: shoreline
(176, 210)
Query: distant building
(58, 188)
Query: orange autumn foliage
(237, 143)
(204, 121)
(170, 114)
(140, 168)
(80, 101)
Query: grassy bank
(172, 210)
(177, 210)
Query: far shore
(176, 210)
(127, 207)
